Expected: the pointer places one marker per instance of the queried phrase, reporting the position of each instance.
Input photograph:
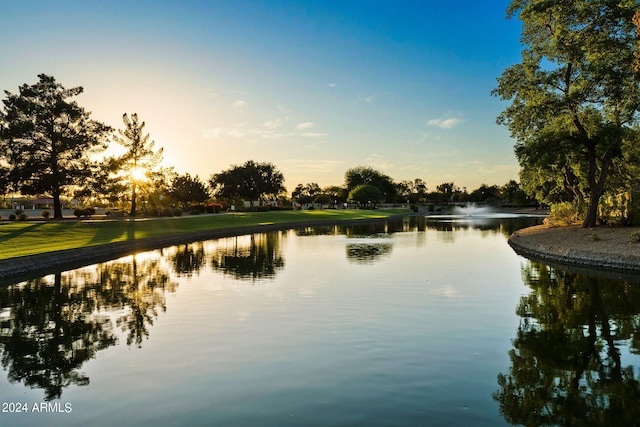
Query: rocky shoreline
(23, 268)
(603, 248)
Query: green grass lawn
(30, 238)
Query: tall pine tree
(140, 157)
(46, 139)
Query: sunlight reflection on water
(400, 324)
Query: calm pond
(418, 321)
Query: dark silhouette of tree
(414, 191)
(50, 335)
(447, 192)
(322, 199)
(366, 194)
(260, 258)
(46, 139)
(566, 366)
(140, 287)
(186, 190)
(252, 181)
(361, 175)
(305, 193)
(367, 253)
(4, 175)
(140, 157)
(188, 259)
(513, 194)
(485, 193)
(105, 182)
(336, 193)
(54, 327)
(575, 95)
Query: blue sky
(313, 87)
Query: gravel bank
(23, 268)
(602, 248)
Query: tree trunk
(592, 212)
(57, 206)
(594, 196)
(133, 200)
(596, 186)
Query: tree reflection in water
(364, 253)
(52, 325)
(250, 257)
(189, 259)
(566, 366)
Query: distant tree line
(49, 145)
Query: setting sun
(138, 174)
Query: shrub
(634, 237)
(22, 217)
(166, 211)
(84, 212)
(615, 210)
(197, 209)
(177, 212)
(12, 217)
(45, 214)
(284, 208)
(564, 213)
(214, 207)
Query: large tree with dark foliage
(361, 175)
(251, 181)
(187, 189)
(47, 139)
(575, 96)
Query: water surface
(420, 321)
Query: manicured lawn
(29, 238)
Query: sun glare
(138, 174)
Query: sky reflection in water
(417, 321)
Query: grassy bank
(31, 238)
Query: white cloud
(273, 124)
(331, 85)
(378, 161)
(313, 134)
(368, 99)
(272, 135)
(278, 127)
(285, 111)
(239, 105)
(445, 123)
(212, 133)
(315, 165)
(305, 125)
(237, 133)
